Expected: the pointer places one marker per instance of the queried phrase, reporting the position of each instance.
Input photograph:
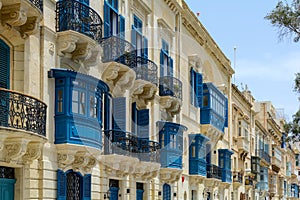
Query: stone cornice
(174, 5)
(241, 96)
(193, 25)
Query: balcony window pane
(93, 106)
(193, 151)
(60, 101)
(205, 101)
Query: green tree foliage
(286, 18)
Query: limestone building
(132, 99)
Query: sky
(264, 63)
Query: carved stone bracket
(15, 149)
(196, 179)
(21, 15)
(2, 139)
(212, 133)
(143, 92)
(78, 48)
(168, 175)
(119, 77)
(81, 161)
(33, 152)
(172, 105)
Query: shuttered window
(4, 65)
(166, 62)
(196, 81)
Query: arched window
(4, 65)
(166, 192)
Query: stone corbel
(2, 141)
(66, 45)
(33, 152)
(13, 15)
(15, 149)
(65, 158)
(94, 59)
(92, 163)
(81, 160)
(30, 27)
(124, 83)
(82, 52)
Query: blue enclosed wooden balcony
(170, 139)
(213, 112)
(225, 164)
(22, 15)
(170, 92)
(237, 179)
(265, 157)
(72, 15)
(197, 154)
(78, 108)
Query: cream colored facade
(36, 47)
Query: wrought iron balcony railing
(237, 177)
(38, 4)
(116, 49)
(170, 86)
(127, 144)
(264, 155)
(76, 16)
(23, 112)
(149, 150)
(213, 171)
(146, 70)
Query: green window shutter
(4, 65)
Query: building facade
(132, 99)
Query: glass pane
(193, 151)
(60, 101)
(205, 101)
(82, 103)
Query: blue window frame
(114, 23)
(196, 81)
(139, 41)
(225, 164)
(72, 185)
(166, 62)
(166, 192)
(213, 110)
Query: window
(162, 140)
(173, 141)
(114, 23)
(139, 41)
(4, 65)
(166, 62)
(60, 101)
(73, 186)
(196, 88)
(78, 102)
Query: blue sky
(264, 63)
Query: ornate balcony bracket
(21, 15)
(78, 48)
(33, 152)
(81, 159)
(196, 179)
(2, 139)
(143, 92)
(169, 175)
(172, 105)
(15, 148)
(212, 182)
(118, 77)
(146, 170)
(118, 165)
(212, 133)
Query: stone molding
(143, 92)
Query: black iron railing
(149, 150)
(38, 4)
(170, 86)
(125, 143)
(237, 177)
(263, 155)
(146, 70)
(118, 50)
(213, 171)
(23, 112)
(76, 16)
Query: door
(7, 188)
(139, 194)
(114, 193)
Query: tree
(286, 18)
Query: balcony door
(4, 82)
(7, 188)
